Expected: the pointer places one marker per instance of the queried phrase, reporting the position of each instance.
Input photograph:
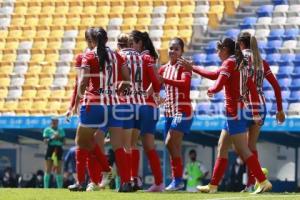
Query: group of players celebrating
(118, 91)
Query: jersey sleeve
(184, 82)
(161, 70)
(46, 133)
(78, 60)
(122, 61)
(149, 66)
(273, 81)
(86, 60)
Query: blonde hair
(123, 40)
(256, 57)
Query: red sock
(129, 161)
(94, 168)
(177, 168)
(219, 170)
(254, 166)
(155, 166)
(121, 163)
(251, 178)
(135, 161)
(81, 158)
(102, 158)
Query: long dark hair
(147, 42)
(89, 33)
(100, 35)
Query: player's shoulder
(90, 55)
(229, 63)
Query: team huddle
(119, 92)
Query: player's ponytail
(101, 48)
(239, 57)
(148, 45)
(256, 58)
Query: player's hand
(210, 94)
(160, 79)
(68, 115)
(280, 117)
(257, 120)
(188, 64)
(158, 99)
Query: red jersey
(258, 75)
(232, 79)
(177, 85)
(103, 84)
(142, 76)
(78, 60)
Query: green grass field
(55, 194)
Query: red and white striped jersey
(103, 84)
(177, 90)
(142, 76)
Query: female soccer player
(100, 74)
(258, 70)
(178, 109)
(146, 113)
(235, 80)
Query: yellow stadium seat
(18, 20)
(6, 67)
(170, 31)
(45, 19)
(37, 55)
(131, 7)
(28, 32)
(11, 43)
(52, 55)
(143, 19)
(54, 43)
(165, 42)
(9, 55)
(186, 19)
(87, 19)
(71, 81)
(59, 20)
(187, 7)
(29, 92)
(172, 19)
(40, 43)
(56, 31)
(2, 43)
(185, 32)
(117, 7)
(218, 9)
(34, 7)
(159, 3)
(31, 20)
(73, 19)
(213, 20)
(48, 69)
(48, 7)
(42, 31)
(145, 7)
(52, 107)
(75, 7)
(230, 7)
(33, 68)
(3, 92)
(173, 6)
(56, 93)
(43, 92)
(31, 80)
(38, 106)
(216, 2)
(103, 7)
(10, 106)
(4, 80)
(1, 54)
(163, 56)
(64, 106)
(24, 105)
(3, 33)
(61, 7)
(45, 80)
(80, 44)
(1, 104)
(127, 28)
(101, 20)
(15, 32)
(20, 7)
(129, 19)
(89, 7)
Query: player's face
(138, 46)
(54, 124)
(174, 51)
(90, 43)
(222, 53)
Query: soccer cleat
(263, 187)
(249, 188)
(266, 173)
(76, 188)
(176, 184)
(126, 187)
(92, 187)
(208, 188)
(137, 183)
(106, 178)
(156, 188)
